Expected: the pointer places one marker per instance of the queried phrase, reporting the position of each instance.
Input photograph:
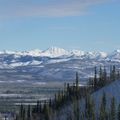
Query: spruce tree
(77, 85)
(76, 109)
(118, 112)
(101, 82)
(114, 73)
(110, 73)
(95, 79)
(21, 111)
(47, 112)
(104, 101)
(92, 110)
(77, 79)
(118, 74)
(24, 114)
(68, 88)
(103, 113)
(29, 113)
(104, 76)
(112, 109)
(89, 108)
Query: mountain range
(56, 63)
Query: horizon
(86, 25)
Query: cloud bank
(48, 8)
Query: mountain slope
(56, 63)
(112, 90)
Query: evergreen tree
(68, 88)
(46, 111)
(113, 74)
(95, 79)
(100, 73)
(118, 74)
(92, 106)
(113, 109)
(38, 107)
(118, 112)
(77, 79)
(21, 111)
(77, 85)
(76, 109)
(50, 102)
(24, 114)
(104, 77)
(104, 101)
(89, 108)
(103, 112)
(17, 117)
(110, 73)
(65, 87)
(29, 113)
(101, 81)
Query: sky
(89, 25)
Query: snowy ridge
(55, 52)
(52, 55)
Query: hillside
(112, 90)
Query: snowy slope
(112, 90)
(57, 63)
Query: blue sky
(80, 24)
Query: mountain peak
(53, 48)
(54, 52)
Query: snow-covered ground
(112, 90)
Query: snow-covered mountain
(55, 52)
(57, 63)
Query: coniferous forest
(76, 102)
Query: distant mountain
(57, 63)
(55, 52)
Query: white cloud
(52, 8)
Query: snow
(57, 52)
(35, 52)
(58, 60)
(53, 55)
(39, 83)
(77, 52)
(10, 95)
(54, 52)
(112, 90)
(34, 62)
(114, 55)
(19, 64)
